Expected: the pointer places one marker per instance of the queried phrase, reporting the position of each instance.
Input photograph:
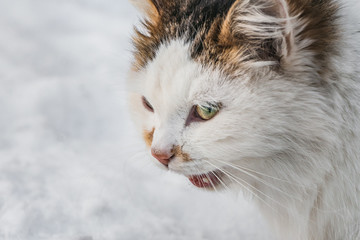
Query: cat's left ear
(265, 24)
(150, 8)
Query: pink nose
(162, 157)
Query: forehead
(174, 75)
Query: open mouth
(206, 180)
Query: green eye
(207, 112)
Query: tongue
(205, 180)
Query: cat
(261, 96)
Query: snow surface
(71, 164)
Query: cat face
(208, 89)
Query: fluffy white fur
(293, 146)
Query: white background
(71, 164)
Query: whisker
(262, 181)
(259, 191)
(217, 177)
(237, 180)
(212, 184)
(254, 171)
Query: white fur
(295, 147)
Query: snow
(71, 164)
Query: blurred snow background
(71, 164)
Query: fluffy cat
(257, 95)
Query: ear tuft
(147, 7)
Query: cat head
(221, 84)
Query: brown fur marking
(231, 48)
(148, 137)
(180, 154)
(210, 28)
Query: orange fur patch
(180, 154)
(225, 33)
(148, 137)
(153, 12)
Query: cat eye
(201, 113)
(147, 105)
(207, 112)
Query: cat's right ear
(150, 8)
(264, 25)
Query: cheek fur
(148, 137)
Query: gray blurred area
(71, 164)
